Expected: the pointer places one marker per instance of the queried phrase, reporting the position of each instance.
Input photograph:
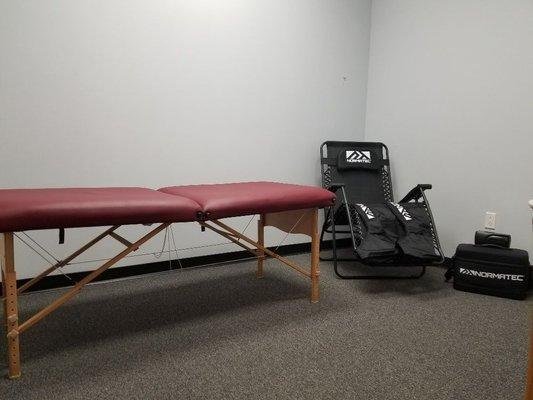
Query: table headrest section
(28, 209)
(249, 198)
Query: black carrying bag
(491, 270)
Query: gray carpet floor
(220, 333)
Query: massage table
(291, 208)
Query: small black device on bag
(491, 269)
(492, 238)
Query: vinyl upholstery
(247, 198)
(30, 209)
(27, 209)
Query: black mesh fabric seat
(382, 232)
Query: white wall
(451, 92)
(163, 92)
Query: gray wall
(153, 93)
(173, 92)
(451, 92)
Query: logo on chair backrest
(355, 156)
(402, 211)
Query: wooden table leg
(529, 376)
(315, 253)
(4, 290)
(261, 241)
(303, 221)
(11, 305)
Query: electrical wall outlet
(490, 220)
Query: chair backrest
(363, 167)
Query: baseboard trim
(59, 281)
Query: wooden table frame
(301, 221)
(529, 374)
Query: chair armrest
(333, 187)
(416, 192)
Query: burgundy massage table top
(249, 198)
(29, 209)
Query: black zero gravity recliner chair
(382, 232)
